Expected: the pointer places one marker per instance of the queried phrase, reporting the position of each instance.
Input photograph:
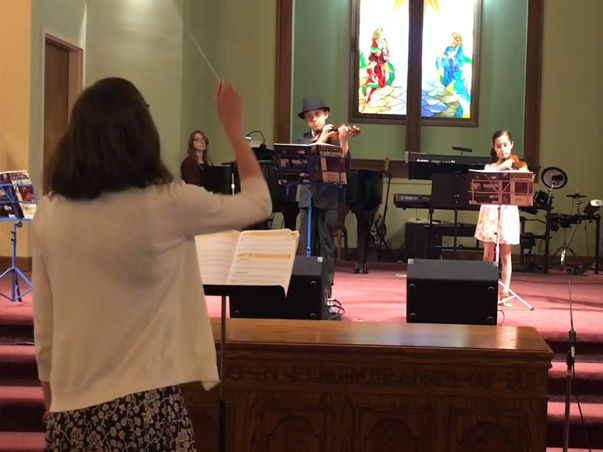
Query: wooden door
(56, 97)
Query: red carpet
(376, 297)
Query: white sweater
(118, 301)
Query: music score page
(215, 254)
(250, 258)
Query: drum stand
(564, 249)
(565, 246)
(497, 260)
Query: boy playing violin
(324, 198)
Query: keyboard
(404, 201)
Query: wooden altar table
(320, 386)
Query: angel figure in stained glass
(450, 71)
(379, 69)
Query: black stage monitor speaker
(450, 291)
(306, 297)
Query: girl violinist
(507, 223)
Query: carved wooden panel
(466, 396)
(292, 430)
(390, 431)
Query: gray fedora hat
(312, 103)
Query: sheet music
(215, 253)
(265, 258)
(504, 188)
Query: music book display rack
(498, 188)
(17, 205)
(312, 165)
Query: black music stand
(498, 188)
(312, 165)
(451, 191)
(448, 170)
(225, 292)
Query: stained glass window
(381, 64)
(383, 57)
(448, 30)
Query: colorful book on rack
(6, 205)
(22, 192)
(248, 258)
(316, 163)
(515, 188)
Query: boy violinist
(324, 198)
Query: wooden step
(18, 365)
(587, 383)
(22, 442)
(22, 409)
(593, 425)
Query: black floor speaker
(451, 291)
(306, 297)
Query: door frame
(76, 63)
(76, 77)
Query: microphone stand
(570, 360)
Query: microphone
(458, 148)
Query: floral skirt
(155, 420)
(506, 223)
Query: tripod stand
(505, 287)
(564, 248)
(13, 199)
(14, 271)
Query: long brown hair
(111, 144)
(191, 151)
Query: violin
(353, 131)
(518, 164)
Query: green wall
(142, 42)
(322, 67)
(239, 39)
(572, 117)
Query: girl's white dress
(508, 225)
